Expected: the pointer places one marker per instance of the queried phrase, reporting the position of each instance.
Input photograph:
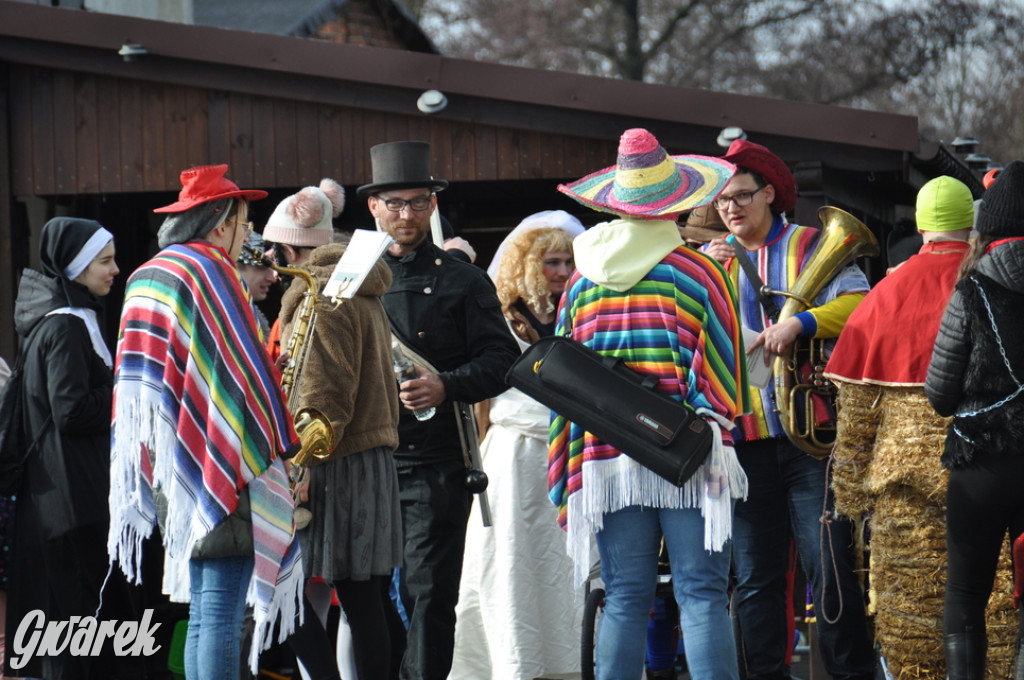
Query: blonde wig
(521, 274)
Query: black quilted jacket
(968, 372)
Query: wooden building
(90, 132)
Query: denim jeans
(213, 647)
(789, 492)
(629, 544)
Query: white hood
(618, 254)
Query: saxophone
(843, 239)
(313, 427)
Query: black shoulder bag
(615, 403)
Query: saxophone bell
(313, 427)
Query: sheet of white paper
(360, 254)
(758, 373)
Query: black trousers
(983, 501)
(435, 508)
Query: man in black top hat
(447, 315)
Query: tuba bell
(806, 407)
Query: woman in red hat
(200, 426)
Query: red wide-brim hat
(207, 183)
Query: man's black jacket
(448, 312)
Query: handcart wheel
(591, 612)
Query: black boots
(965, 655)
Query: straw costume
(886, 458)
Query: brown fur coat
(348, 374)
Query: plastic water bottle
(406, 370)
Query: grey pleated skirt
(356, 530)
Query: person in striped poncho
(200, 428)
(669, 311)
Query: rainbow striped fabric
(679, 324)
(779, 261)
(199, 415)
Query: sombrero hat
(647, 182)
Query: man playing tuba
(788, 489)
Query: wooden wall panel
(87, 141)
(108, 133)
(130, 135)
(264, 133)
(331, 146)
(508, 153)
(198, 124)
(153, 136)
(308, 148)
(240, 135)
(84, 134)
(286, 167)
(417, 128)
(396, 129)
(530, 150)
(351, 160)
(374, 131)
(64, 133)
(600, 155)
(42, 131)
(463, 153)
(219, 127)
(552, 162)
(20, 106)
(574, 155)
(441, 149)
(176, 131)
(485, 148)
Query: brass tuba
(843, 239)
(313, 427)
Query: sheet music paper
(360, 255)
(758, 373)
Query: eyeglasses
(247, 226)
(741, 199)
(418, 204)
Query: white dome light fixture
(432, 101)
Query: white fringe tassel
(622, 482)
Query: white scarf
(93, 324)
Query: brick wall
(358, 24)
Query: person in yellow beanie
(886, 458)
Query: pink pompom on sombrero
(647, 182)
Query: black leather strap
(770, 308)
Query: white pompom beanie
(304, 219)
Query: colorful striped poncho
(779, 261)
(199, 415)
(679, 323)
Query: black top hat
(400, 165)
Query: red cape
(889, 337)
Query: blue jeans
(629, 545)
(789, 491)
(213, 647)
